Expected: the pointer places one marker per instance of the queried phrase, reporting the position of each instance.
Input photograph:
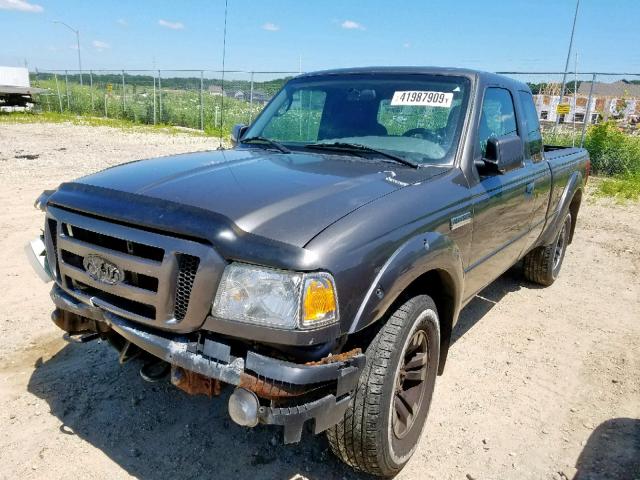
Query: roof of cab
(487, 77)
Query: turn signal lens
(319, 301)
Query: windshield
(415, 117)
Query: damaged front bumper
(290, 393)
(36, 254)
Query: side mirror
(237, 132)
(503, 154)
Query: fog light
(243, 407)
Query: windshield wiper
(358, 147)
(266, 141)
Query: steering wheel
(422, 133)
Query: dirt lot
(540, 383)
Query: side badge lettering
(460, 220)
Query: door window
(533, 146)
(498, 116)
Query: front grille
(52, 227)
(113, 243)
(187, 268)
(157, 277)
(138, 308)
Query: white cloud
(73, 47)
(270, 27)
(351, 25)
(171, 25)
(406, 44)
(20, 5)
(100, 45)
(122, 22)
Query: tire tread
(354, 439)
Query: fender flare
(556, 218)
(419, 255)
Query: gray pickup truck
(321, 264)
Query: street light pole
(77, 32)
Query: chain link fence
(197, 99)
(588, 99)
(598, 111)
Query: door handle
(529, 188)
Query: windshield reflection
(417, 118)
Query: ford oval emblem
(102, 270)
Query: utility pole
(77, 32)
(575, 99)
(566, 65)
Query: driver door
(502, 212)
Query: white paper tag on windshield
(422, 99)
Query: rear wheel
(382, 427)
(543, 264)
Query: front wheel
(382, 427)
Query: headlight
(276, 298)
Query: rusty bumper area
(197, 384)
(290, 393)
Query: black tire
(542, 265)
(403, 356)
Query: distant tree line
(538, 88)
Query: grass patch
(122, 124)
(622, 188)
(561, 138)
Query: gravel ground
(540, 383)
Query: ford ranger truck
(320, 265)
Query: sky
(293, 35)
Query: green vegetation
(613, 153)
(625, 187)
(179, 102)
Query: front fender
(417, 256)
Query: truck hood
(286, 197)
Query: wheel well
(574, 207)
(439, 285)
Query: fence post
(160, 94)
(45, 96)
(124, 96)
(66, 84)
(154, 98)
(48, 103)
(251, 100)
(587, 117)
(202, 100)
(91, 91)
(36, 83)
(55, 75)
